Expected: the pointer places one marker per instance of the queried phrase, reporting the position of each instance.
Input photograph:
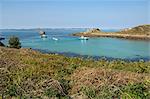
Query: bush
(51, 92)
(14, 42)
(12, 90)
(90, 92)
(136, 91)
(65, 85)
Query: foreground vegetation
(25, 74)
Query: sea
(68, 45)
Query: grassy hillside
(139, 32)
(142, 29)
(30, 74)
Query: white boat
(56, 39)
(83, 38)
(43, 36)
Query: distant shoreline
(141, 32)
(114, 35)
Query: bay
(100, 47)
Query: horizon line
(61, 28)
(75, 27)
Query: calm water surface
(107, 47)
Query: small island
(138, 32)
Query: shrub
(51, 92)
(65, 85)
(136, 91)
(103, 92)
(12, 90)
(14, 42)
(89, 92)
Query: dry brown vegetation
(98, 77)
(28, 74)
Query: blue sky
(73, 13)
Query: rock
(94, 30)
(42, 33)
(1, 44)
(2, 38)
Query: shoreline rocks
(1, 44)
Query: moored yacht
(56, 39)
(84, 38)
(43, 34)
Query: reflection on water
(43, 39)
(83, 42)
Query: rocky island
(138, 32)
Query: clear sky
(73, 13)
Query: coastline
(141, 32)
(114, 35)
(74, 55)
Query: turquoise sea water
(107, 47)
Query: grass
(142, 29)
(30, 74)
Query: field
(26, 73)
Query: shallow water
(107, 47)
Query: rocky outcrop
(42, 33)
(1, 44)
(1, 38)
(94, 30)
(88, 32)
